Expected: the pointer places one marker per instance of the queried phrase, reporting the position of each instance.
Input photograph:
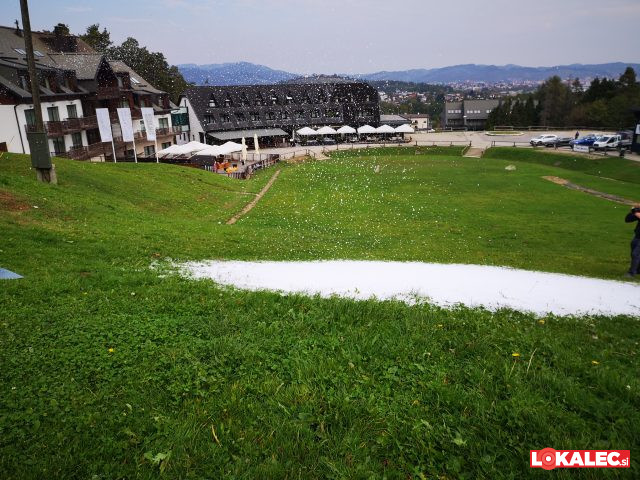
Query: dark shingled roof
(345, 97)
(85, 65)
(143, 86)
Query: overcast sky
(359, 36)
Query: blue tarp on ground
(8, 275)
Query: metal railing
(70, 125)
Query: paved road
(477, 140)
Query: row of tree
(606, 103)
(152, 66)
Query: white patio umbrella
(172, 150)
(230, 147)
(306, 131)
(326, 131)
(385, 129)
(366, 129)
(186, 149)
(346, 129)
(406, 128)
(212, 151)
(256, 145)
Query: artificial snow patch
(441, 284)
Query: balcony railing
(164, 132)
(70, 125)
(83, 153)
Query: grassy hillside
(111, 369)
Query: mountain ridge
(246, 73)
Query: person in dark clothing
(577, 135)
(634, 216)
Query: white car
(546, 140)
(611, 142)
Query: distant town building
(469, 114)
(272, 112)
(419, 121)
(393, 120)
(74, 81)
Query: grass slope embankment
(112, 370)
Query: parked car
(610, 142)
(546, 140)
(587, 140)
(560, 142)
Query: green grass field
(112, 370)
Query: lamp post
(38, 142)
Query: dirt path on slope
(595, 193)
(253, 202)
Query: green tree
(100, 41)
(153, 66)
(556, 101)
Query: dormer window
(212, 102)
(288, 99)
(135, 80)
(228, 102)
(259, 100)
(38, 53)
(273, 98)
(244, 100)
(20, 51)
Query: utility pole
(38, 142)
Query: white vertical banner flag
(126, 126)
(104, 124)
(149, 123)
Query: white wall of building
(9, 130)
(194, 124)
(12, 130)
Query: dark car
(587, 140)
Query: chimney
(62, 41)
(18, 31)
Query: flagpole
(135, 155)
(113, 144)
(156, 150)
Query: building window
(20, 51)
(30, 117)
(76, 140)
(58, 145)
(259, 100)
(255, 116)
(166, 145)
(299, 114)
(244, 100)
(72, 111)
(228, 102)
(273, 98)
(288, 100)
(285, 115)
(54, 115)
(240, 117)
(208, 119)
(225, 118)
(271, 116)
(124, 103)
(212, 102)
(149, 151)
(163, 123)
(315, 113)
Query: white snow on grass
(441, 284)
